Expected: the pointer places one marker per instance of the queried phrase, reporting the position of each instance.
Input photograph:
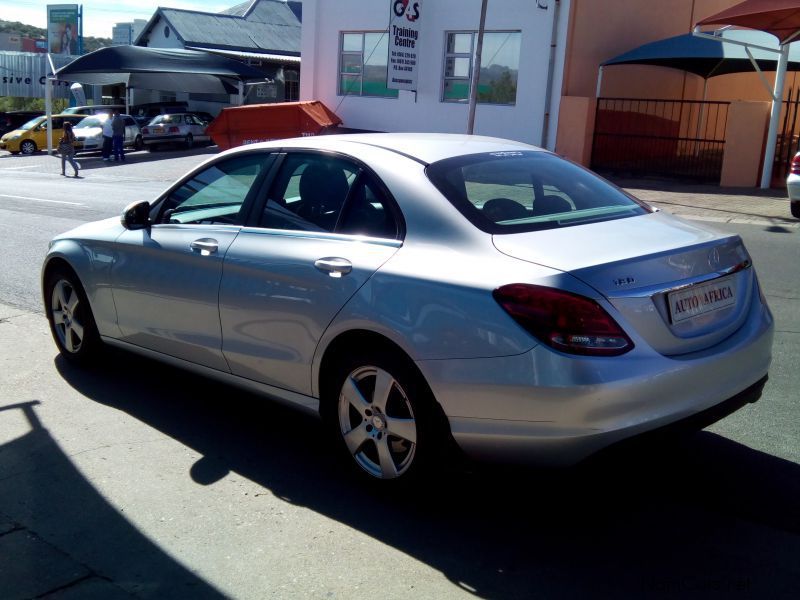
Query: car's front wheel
(381, 412)
(27, 147)
(71, 321)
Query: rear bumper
(163, 138)
(545, 408)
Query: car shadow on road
(701, 517)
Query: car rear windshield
(166, 119)
(518, 191)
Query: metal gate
(683, 139)
(787, 142)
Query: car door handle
(205, 246)
(333, 266)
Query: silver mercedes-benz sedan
(417, 290)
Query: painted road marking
(41, 200)
(17, 168)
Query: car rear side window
(518, 191)
(308, 193)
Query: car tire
(28, 147)
(138, 144)
(390, 437)
(152, 147)
(189, 142)
(71, 320)
(795, 206)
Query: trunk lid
(679, 286)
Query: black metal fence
(788, 136)
(683, 139)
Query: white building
(345, 45)
(124, 34)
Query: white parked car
(793, 186)
(177, 128)
(421, 289)
(89, 133)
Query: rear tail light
(145, 130)
(795, 169)
(174, 130)
(564, 321)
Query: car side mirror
(136, 216)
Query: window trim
(341, 73)
(445, 55)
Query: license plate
(701, 299)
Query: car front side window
(216, 194)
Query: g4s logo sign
(407, 8)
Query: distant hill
(90, 44)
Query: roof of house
(258, 25)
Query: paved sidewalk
(714, 203)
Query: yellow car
(32, 136)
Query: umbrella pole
(777, 102)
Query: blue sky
(99, 16)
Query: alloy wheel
(377, 422)
(67, 323)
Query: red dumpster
(239, 125)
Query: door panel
(275, 302)
(166, 291)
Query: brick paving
(714, 203)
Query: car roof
(423, 147)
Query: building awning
(242, 55)
(709, 58)
(159, 69)
(781, 18)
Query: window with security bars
(363, 64)
(497, 83)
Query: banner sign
(62, 29)
(24, 74)
(404, 55)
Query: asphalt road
(140, 480)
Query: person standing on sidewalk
(118, 139)
(66, 148)
(108, 136)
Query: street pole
(476, 71)
(777, 102)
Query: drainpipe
(476, 71)
(551, 67)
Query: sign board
(63, 33)
(404, 44)
(24, 74)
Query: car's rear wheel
(189, 141)
(381, 412)
(28, 147)
(152, 147)
(71, 321)
(795, 205)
